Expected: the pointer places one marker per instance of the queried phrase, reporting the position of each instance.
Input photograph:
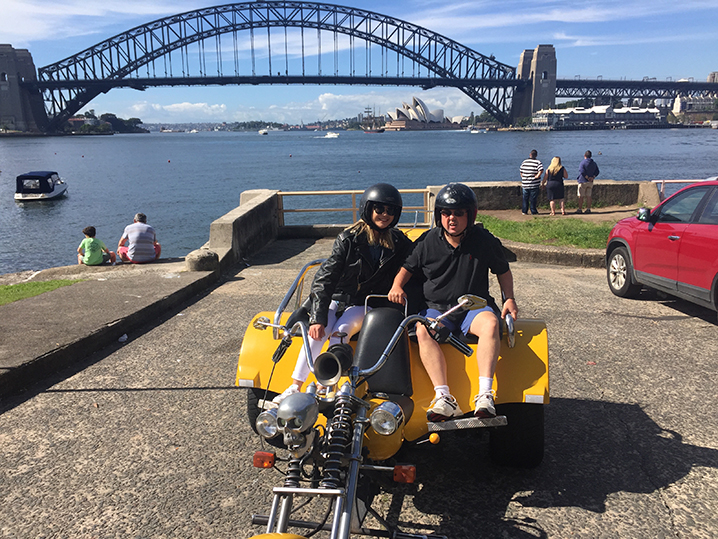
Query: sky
(611, 39)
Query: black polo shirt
(450, 273)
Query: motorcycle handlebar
(460, 345)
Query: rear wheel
(620, 274)
(254, 395)
(521, 442)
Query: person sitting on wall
(93, 252)
(143, 245)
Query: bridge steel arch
(143, 56)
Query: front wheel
(620, 274)
(521, 442)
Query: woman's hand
(316, 332)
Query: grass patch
(566, 232)
(15, 292)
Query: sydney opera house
(418, 117)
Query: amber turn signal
(434, 438)
(263, 459)
(404, 473)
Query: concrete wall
(247, 228)
(255, 223)
(507, 195)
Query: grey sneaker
(485, 405)
(443, 408)
(291, 390)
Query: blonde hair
(555, 166)
(374, 237)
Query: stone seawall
(255, 222)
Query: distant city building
(597, 117)
(682, 104)
(416, 116)
(713, 77)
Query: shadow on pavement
(593, 449)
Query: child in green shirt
(93, 252)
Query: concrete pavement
(45, 333)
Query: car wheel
(254, 395)
(620, 274)
(521, 442)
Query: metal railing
(353, 208)
(662, 190)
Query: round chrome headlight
(267, 423)
(387, 418)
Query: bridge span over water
(289, 42)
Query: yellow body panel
(521, 374)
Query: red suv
(672, 248)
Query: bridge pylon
(21, 108)
(538, 68)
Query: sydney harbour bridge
(288, 42)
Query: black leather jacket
(350, 274)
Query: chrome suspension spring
(339, 435)
(294, 473)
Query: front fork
(343, 498)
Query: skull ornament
(296, 416)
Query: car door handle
(674, 238)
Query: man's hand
(510, 307)
(397, 295)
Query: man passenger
(455, 258)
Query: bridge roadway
(148, 438)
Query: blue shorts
(466, 321)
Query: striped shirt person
(531, 170)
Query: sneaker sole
(484, 414)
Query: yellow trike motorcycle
(336, 449)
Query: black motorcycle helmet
(380, 193)
(455, 196)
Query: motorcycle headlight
(387, 418)
(267, 423)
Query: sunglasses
(455, 213)
(381, 208)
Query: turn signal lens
(263, 459)
(404, 473)
(434, 438)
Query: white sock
(441, 390)
(485, 384)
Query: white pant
(349, 322)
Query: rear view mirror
(644, 214)
(470, 302)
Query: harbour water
(184, 181)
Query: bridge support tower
(20, 110)
(538, 68)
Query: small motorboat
(39, 185)
(263, 131)
(331, 134)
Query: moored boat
(39, 185)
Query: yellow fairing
(521, 375)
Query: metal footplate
(468, 423)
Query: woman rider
(364, 260)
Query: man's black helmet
(455, 196)
(380, 193)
